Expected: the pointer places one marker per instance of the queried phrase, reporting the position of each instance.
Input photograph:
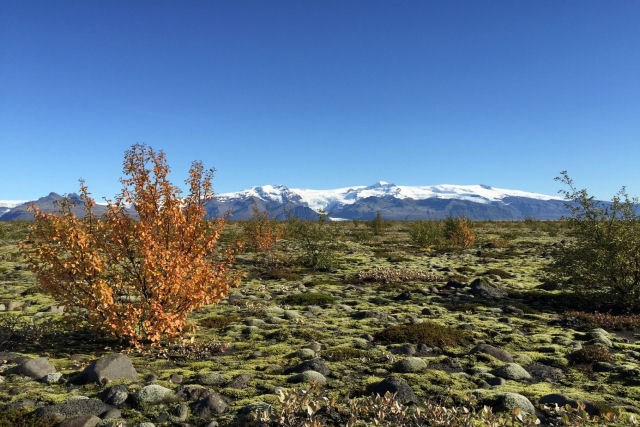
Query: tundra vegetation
(331, 324)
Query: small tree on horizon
(135, 279)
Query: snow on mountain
(11, 203)
(327, 199)
(7, 205)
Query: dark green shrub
(426, 234)
(309, 298)
(429, 333)
(589, 354)
(317, 240)
(602, 259)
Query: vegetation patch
(589, 354)
(429, 333)
(310, 298)
(607, 321)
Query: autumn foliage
(459, 232)
(135, 278)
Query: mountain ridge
(394, 202)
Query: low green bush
(429, 333)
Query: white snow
(325, 199)
(11, 203)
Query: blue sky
(321, 94)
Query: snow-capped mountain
(6, 205)
(394, 202)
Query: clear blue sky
(321, 94)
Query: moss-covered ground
(267, 321)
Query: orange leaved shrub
(135, 278)
(458, 231)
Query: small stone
(316, 364)
(115, 395)
(211, 378)
(496, 352)
(305, 353)
(153, 394)
(180, 412)
(245, 413)
(410, 364)
(15, 305)
(150, 377)
(307, 377)
(507, 402)
(81, 421)
(315, 346)
(211, 405)
(291, 315)
(176, 378)
(36, 368)
(112, 413)
(404, 392)
(240, 381)
(110, 368)
(52, 378)
(512, 371)
(496, 381)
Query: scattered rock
(316, 364)
(305, 353)
(209, 406)
(496, 381)
(36, 368)
(406, 349)
(73, 407)
(211, 378)
(561, 400)
(541, 372)
(110, 368)
(240, 381)
(496, 352)
(115, 395)
(244, 417)
(511, 371)
(52, 378)
(410, 364)
(191, 392)
(307, 377)
(483, 289)
(15, 305)
(176, 378)
(81, 421)
(507, 402)
(153, 394)
(404, 392)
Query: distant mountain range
(394, 202)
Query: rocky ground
(443, 326)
